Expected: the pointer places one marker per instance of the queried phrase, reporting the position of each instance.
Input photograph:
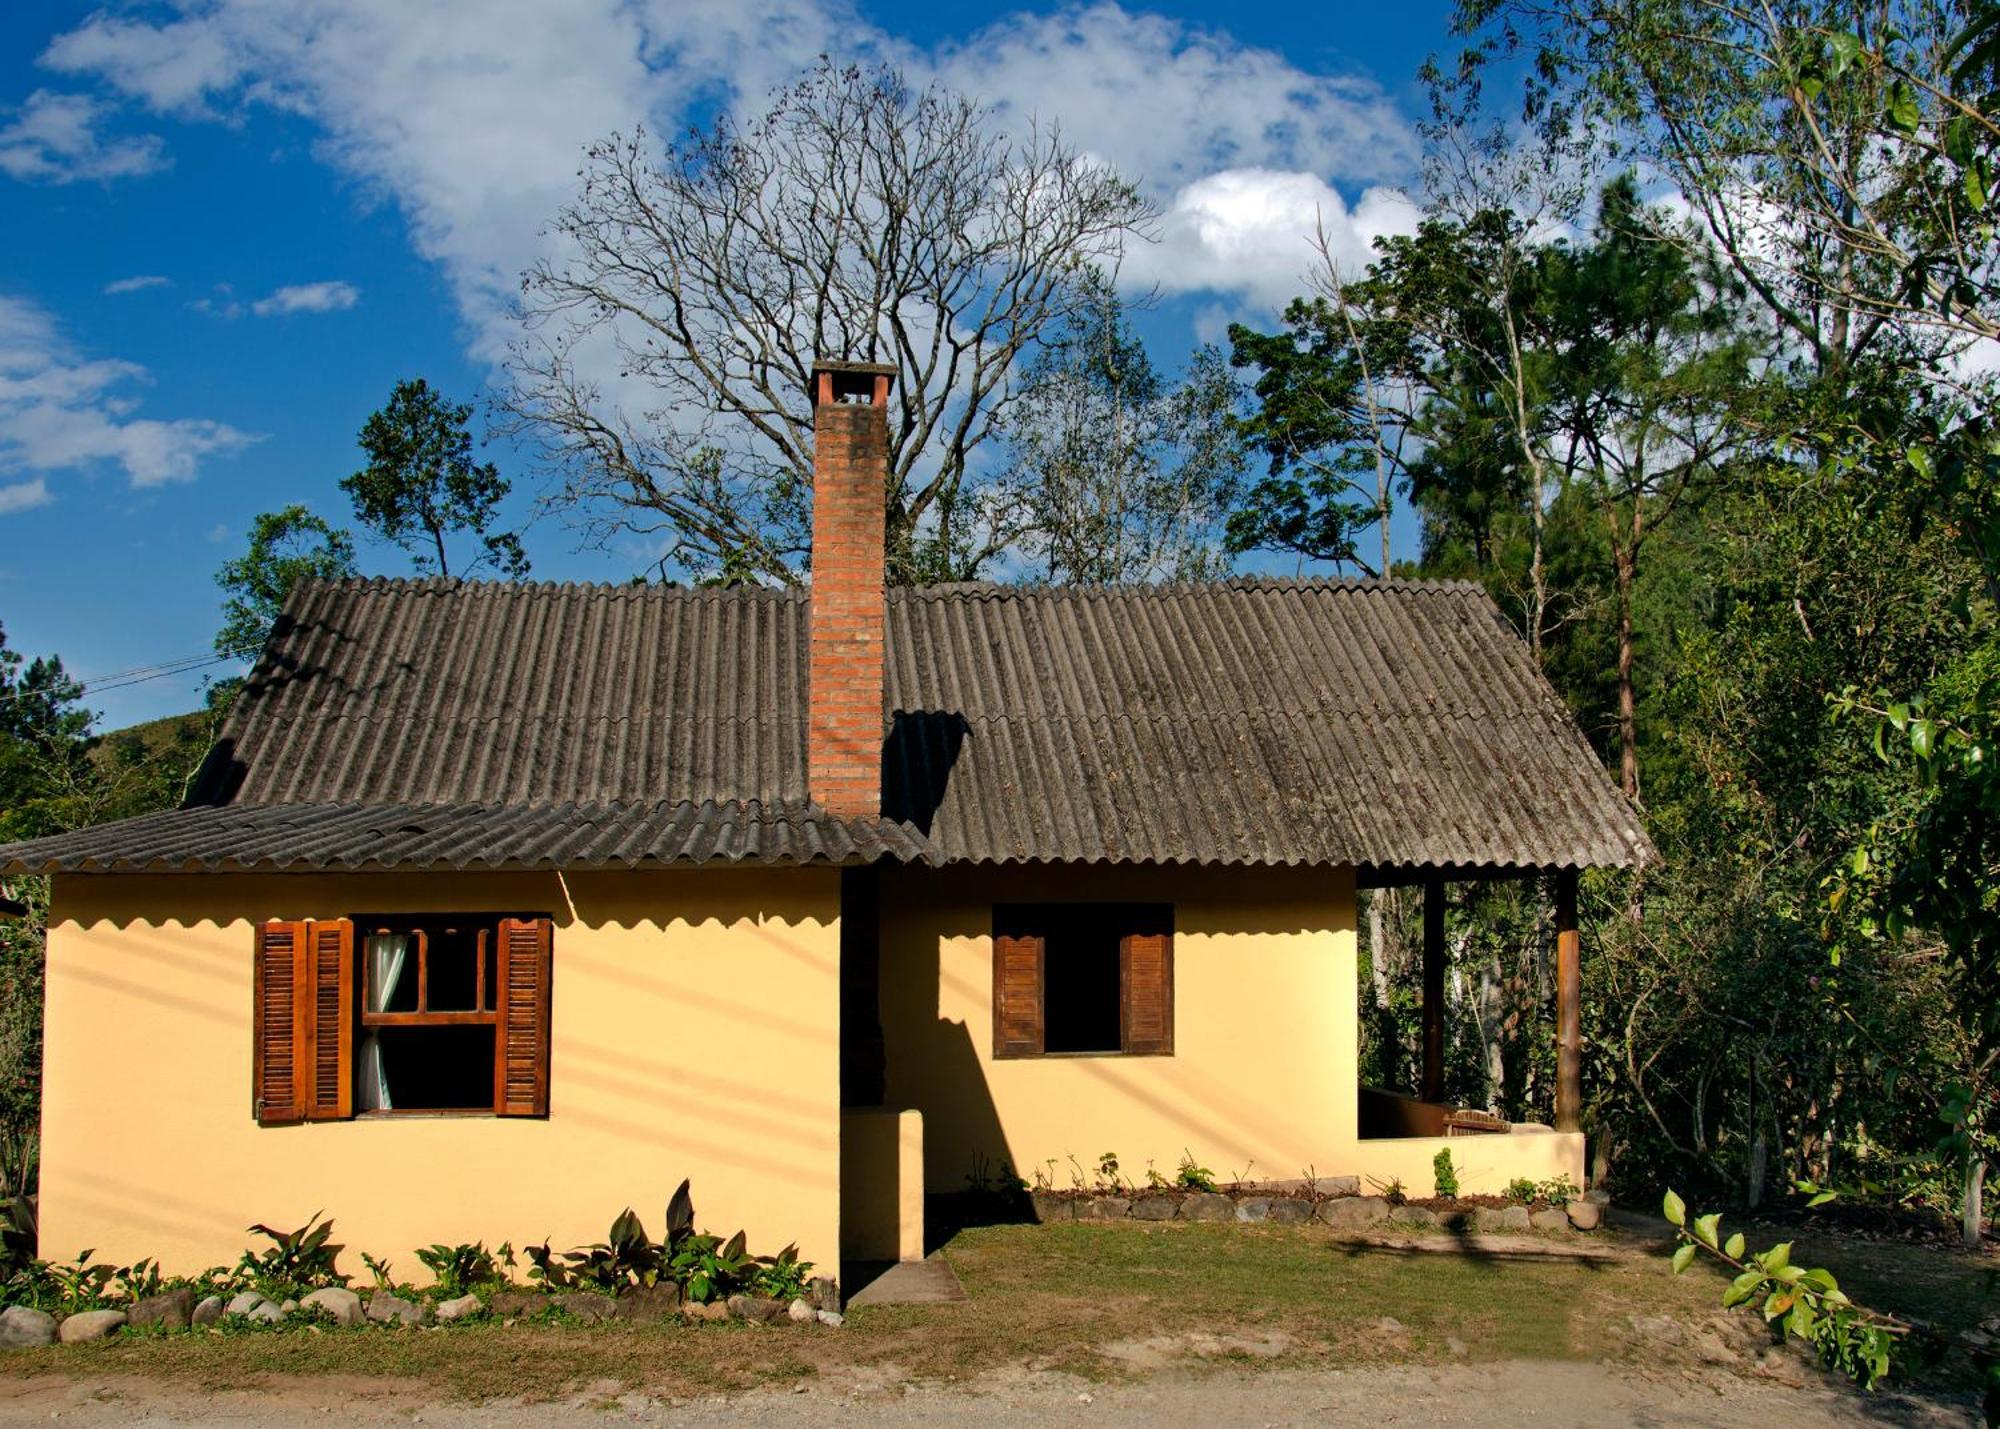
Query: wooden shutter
(1146, 993)
(1017, 994)
(521, 1066)
(302, 1035)
(329, 1042)
(278, 1024)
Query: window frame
(1017, 924)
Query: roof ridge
(482, 586)
(1001, 590)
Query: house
(500, 907)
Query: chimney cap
(834, 378)
(860, 369)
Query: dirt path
(1494, 1396)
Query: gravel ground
(1494, 1396)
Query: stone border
(1344, 1210)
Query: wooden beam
(1569, 1006)
(1433, 1088)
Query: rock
(1253, 1209)
(1208, 1206)
(288, 1307)
(750, 1307)
(24, 1329)
(1390, 1325)
(513, 1304)
(1549, 1220)
(1414, 1216)
(89, 1326)
(387, 1309)
(1353, 1212)
(172, 1311)
(265, 1314)
(661, 1301)
(1585, 1215)
(342, 1305)
(1049, 1207)
(1775, 1363)
(801, 1313)
(1104, 1208)
(587, 1307)
(1502, 1220)
(1339, 1185)
(1288, 1211)
(705, 1310)
(461, 1307)
(1155, 1208)
(825, 1293)
(1663, 1329)
(1710, 1347)
(208, 1312)
(1597, 1196)
(833, 1318)
(243, 1302)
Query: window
(388, 1014)
(1081, 978)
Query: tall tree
(285, 548)
(421, 485)
(666, 354)
(1124, 476)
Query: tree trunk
(1973, 1221)
(1760, 1158)
(1490, 1007)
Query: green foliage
(1193, 1177)
(286, 547)
(296, 1261)
(706, 1267)
(455, 1268)
(1805, 1303)
(1107, 1171)
(1390, 1190)
(1444, 1173)
(421, 485)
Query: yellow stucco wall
(1262, 1081)
(695, 1032)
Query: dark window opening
(436, 1068)
(1080, 982)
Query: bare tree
(666, 352)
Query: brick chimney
(850, 486)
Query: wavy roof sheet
(1383, 723)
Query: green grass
(1051, 1296)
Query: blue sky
(231, 225)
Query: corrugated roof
(1381, 723)
(283, 837)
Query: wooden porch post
(1433, 1088)
(1569, 1006)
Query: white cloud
(307, 298)
(60, 410)
(1250, 232)
(24, 496)
(56, 139)
(1169, 103)
(471, 114)
(137, 284)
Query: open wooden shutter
(302, 1033)
(1017, 994)
(278, 1024)
(329, 1040)
(521, 1068)
(1146, 993)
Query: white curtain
(386, 953)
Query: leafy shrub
(782, 1276)
(1191, 1177)
(1390, 1190)
(1557, 1191)
(706, 1267)
(1805, 1303)
(295, 1261)
(457, 1268)
(1521, 1189)
(19, 1228)
(1107, 1170)
(1444, 1173)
